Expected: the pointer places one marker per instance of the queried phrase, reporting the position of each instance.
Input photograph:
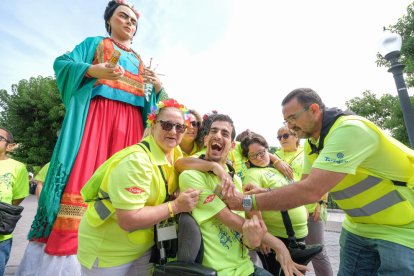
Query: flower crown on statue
(155, 110)
(129, 5)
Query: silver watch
(247, 203)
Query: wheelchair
(190, 251)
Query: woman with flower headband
(129, 194)
(106, 109)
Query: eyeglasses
(195, 124)
(284, 136)
(261, 154)
(4, 139)
(168, 126)
(292, 118)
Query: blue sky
(236, 56)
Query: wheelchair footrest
(183, 269)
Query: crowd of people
(127, 163)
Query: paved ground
(333, 228)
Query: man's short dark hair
(9, 135)
(223, 118)
(305, 97)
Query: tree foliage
(33, 112)
(384, 111)
(404, 27)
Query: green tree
(273, 149)
(405, 27)
(384, 112)
(33, 112)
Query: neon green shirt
(14, 183)
(342, 155)
(295, 160)
(195, 149)
(271, 178)
(223, 249)
(41, 175)
(238, 160)
(131, 184)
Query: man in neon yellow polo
(370, 176)
(14, 187)
(223, 246)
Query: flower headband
(155, 110)
(129, 5)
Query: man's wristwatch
(247, 203)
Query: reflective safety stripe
(376, 206)
(100, 207)
(357, 188)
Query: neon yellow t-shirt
(340, 154)
(14, 183)
(41, 175)
(132, 184)
(295, 160)
(271, 178)
(238, 160)
(223, 249)
(195, 149)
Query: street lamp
(389, 48)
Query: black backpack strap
(288, 226)
(158, 254)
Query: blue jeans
(363, 256)
(5, 248)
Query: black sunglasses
(168, 126)
(195, 124)
(4, 139)
(284, 136)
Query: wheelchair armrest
(181, 268)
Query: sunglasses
(284, 136)
(4, 139)
(168, 126)
(195, 124)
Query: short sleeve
(347, 147)
(253, 178)
(21, 185)
(209, 204)
(129, 183)
(41, 175)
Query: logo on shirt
(134, 190)
(338, 160)
(209, 199)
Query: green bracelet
(254, 202)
